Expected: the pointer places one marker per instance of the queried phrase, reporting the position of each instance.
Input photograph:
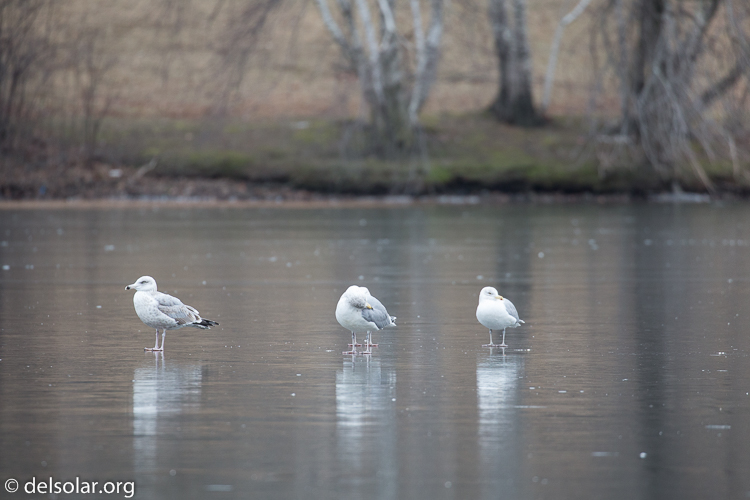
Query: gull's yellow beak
(368, 306)
(499, 297)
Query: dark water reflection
(630, 378)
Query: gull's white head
(143, 284)
(489, 293)
(356, 296)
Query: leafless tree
(25, 49)
(674, 63)
(170, 18)
(514, 103)
(91, 65)
(395, 81)
(244, 23)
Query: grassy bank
(468, 154)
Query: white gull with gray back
(162, 311)
(496, 313)
(358, 311)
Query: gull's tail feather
(393, 320)
(206, 324)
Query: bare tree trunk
(428, 53)
(376, 56)
(388, 111)
(503, 36)
(649, 26)
(671, 80)
(514, 103)
(524, 112)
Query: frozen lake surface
(630, 378)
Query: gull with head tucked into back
(496, 313)
(163, 312)
(358, 311)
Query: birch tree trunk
(514, 103)
(394, 97)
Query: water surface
(630, 378)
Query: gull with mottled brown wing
(162, 311)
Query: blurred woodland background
(117, 98)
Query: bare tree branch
(721, 87)
(234, 49)
(331, 25)
(677, 68)
(552, 63)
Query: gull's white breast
(493, 315)
(351, 318)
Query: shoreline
(354, 201)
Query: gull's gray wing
(165, 299)
(376, 304)
(175, 309)
(380, 318)
(378, 314)
(511, 309)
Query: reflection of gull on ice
(497, 382)
(363, 391)
(499, 432)
(365, 405)
(160, 394)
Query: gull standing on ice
(358, 311)
(496, 313)
(163, 312)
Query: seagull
(163, 312)
(358, 311)
(495, 313)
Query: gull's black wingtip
(205, 323)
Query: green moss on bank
(468, 153)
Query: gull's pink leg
(354, 341)
(492, 344)
(368, 346)
(156, 343)
(501, 345)
(353, 344)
